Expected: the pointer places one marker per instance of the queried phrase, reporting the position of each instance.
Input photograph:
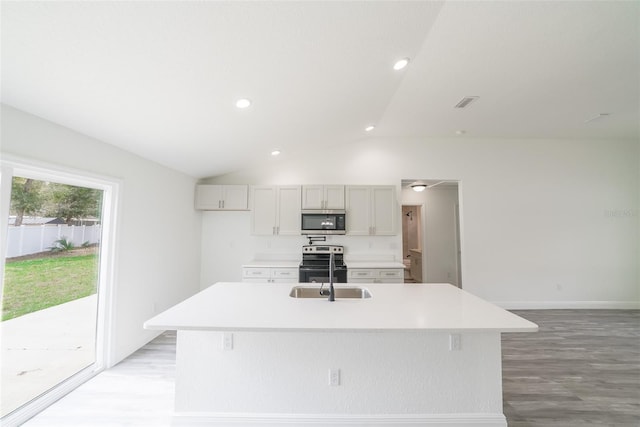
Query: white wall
(154, 270)
(536, 215)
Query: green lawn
(35, 284)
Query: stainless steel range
(315, 264)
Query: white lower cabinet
(270, 274)
(375, 275)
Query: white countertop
(296, 264)
(272, 264)
(392, 307)
(373, 264)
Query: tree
(26, 197)
(75, 202)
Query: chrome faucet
(332, 292)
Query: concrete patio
(43, 348)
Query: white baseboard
(318, 420)
(569, 305)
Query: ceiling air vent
(464, 102)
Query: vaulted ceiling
(160, 79)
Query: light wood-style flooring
(581, 369)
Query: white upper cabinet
(222, 197)
(289, 219)
(323, 197)
(358, 210)
(276, 210)
(384, 208)
(371, 210)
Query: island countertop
(231, 306)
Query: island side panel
(380, 373)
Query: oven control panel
(324, 249)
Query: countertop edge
(160, 327)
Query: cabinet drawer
(390, 274)
(285, 273)
(251, 272)
(361, 274)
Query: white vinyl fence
(31, 239)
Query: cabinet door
(263, 214)
(235, 197)
(208, 197)
(358, 210)
(288, 220)
(334, 196)
(312, 197)
(384, 206)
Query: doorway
(431, 208)
(412, 243)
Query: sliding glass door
(51, 328)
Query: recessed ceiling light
(461, 132)
(401, 64)
(275, 153)
(369, 128)
(243, 103)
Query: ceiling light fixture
(401, 64)
(275, 153)
(461, 132)
(243, 103)
(418, 186)
(369, 128)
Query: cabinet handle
(278, 230)
(223, 204)
(273, 230)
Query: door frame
(11, 166)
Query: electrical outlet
(455, 342)
(227, 341)
(334, 377)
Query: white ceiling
(160, 78)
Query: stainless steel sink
(340, 292)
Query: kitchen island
(410, 354)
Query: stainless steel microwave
(323, 222)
